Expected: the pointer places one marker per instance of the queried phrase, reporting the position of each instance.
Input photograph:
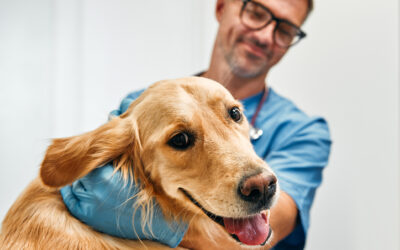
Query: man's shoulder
(129, 99)
(287, 119)
(124, 105)
(135, 94)
(283, 109)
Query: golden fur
(137, 143)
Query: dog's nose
(258, 188)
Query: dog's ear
(68, 159)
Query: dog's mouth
(253, 230)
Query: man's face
(251, 53)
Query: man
(252, 37)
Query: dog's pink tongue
(250, 231)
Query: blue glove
(102, 201)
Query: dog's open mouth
(253, 230)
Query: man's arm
(283, 218)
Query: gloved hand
(102, 201)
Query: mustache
(255, 42)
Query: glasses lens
(286, 34)
(254, 16)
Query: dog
(186, 141)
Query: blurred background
(65, 64)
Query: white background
(64, 64)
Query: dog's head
(187, 142)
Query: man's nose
(266, 34)
(258, 188)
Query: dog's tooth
(268, 213)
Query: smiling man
(252, 37)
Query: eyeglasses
(256, 16)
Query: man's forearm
(283, 218)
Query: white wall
(347, 69)
(64, 64)
(26, 63)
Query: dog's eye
(235, 114)
(181, 141)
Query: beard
(245, 64)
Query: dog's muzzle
(252, 230)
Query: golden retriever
(187, 142)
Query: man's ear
(219, 9)
(68, 159)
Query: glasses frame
(301, 34)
